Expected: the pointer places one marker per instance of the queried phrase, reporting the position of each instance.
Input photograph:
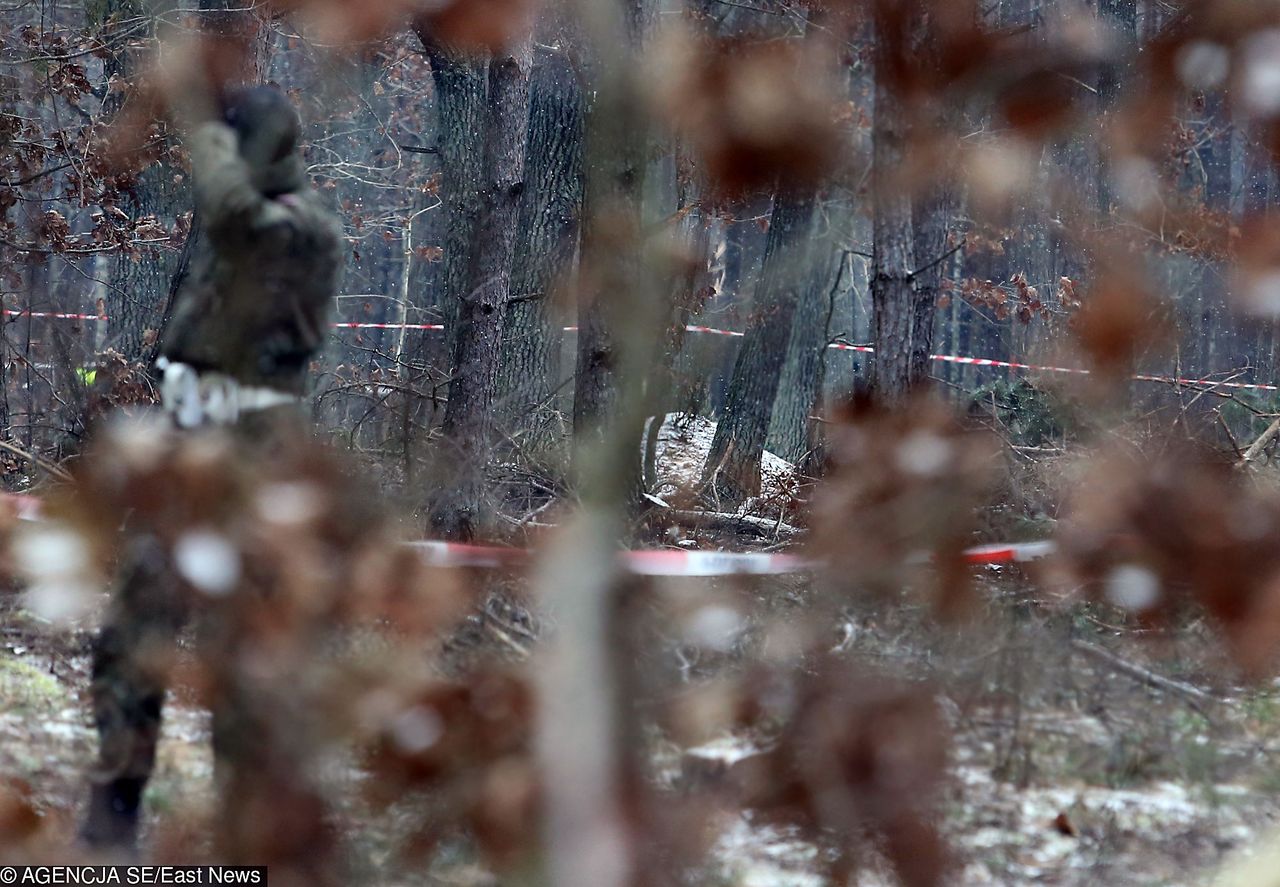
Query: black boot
(112, 822)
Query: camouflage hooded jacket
(256, 303)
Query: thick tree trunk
(459, 512)
(732, 472)
(245, 29)
(138, 293)
(690, 289)
(892, 251)
(790, 433)
(613, 203)
(139, 283)
(547, 246)
(930, 220)
(931, 212)
(1122, 15)
(739, 253)
(460, 112)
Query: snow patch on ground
(1001, 831)
(683, 444)
(752, 855)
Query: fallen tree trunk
(729, 522)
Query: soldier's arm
(225, 195)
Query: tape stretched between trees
(651, 562)
(710, 330)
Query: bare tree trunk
(799, 389)
(244, 28)
(1123, 16)
(139, 282)
(931, 214)
(739, 262)
(732, 472)
(460, 111)
(459, 512)
(930, 219)
(619, 187)
(689, 291)
(590, 745)
(548, 243)
(892, 252)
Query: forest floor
(1067, 765)
(1064, 769)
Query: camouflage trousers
(133, 657)
(271, 810)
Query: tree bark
(244, 28)
(613, 201)
(460, 512)
(930, 221)
(547, 245)
(790, 433)
(732, 471)
(892, 250)
(931, 212)
(460, 81)
(139, 284)
(689, 290)
(1122, 15)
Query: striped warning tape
(24, 507)
(653, 562)
(102, 318)
(672, 562)
(1013, 553)
(54, 315)
(1014, 365)
(694, 328)
(656, 562)
(389, 326)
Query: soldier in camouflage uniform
(257, 303)
(245, 325)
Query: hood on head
(268, 128)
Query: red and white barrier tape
(838, 346)
(103, 318)
(1012, 553)
(654, 562)
(389, 326)
(24, 507)
(54, 315)
(671, 562)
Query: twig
(1256, 448)
(1145, 676)
(1230, 437)
(940, 259)
(57, 472)
(1078, 82)
(507, 639)
(724, 520)
(1052, 451)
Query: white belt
(194, 398)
